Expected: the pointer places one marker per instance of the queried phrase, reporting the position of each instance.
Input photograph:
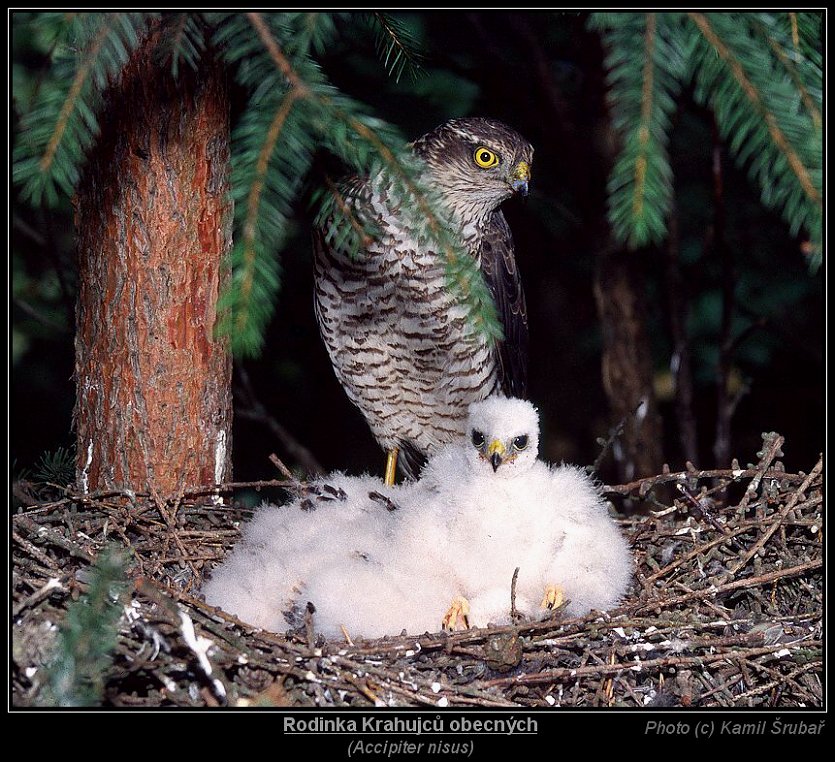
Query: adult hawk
(400, 343)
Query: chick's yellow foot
(553, 598)
(459, 611)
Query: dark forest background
(542, 74)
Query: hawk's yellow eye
(485, 158)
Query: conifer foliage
(88, 635)
(292, 112)
(761, 75)
(62, 122)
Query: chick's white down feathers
(378, 560)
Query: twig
(39, 530)
(771, 450)
(607, 445)
(792, 502)
(762, 579)
(680, 367)
(555, 675)
(127, 494)
(33, 551)
(172, 528)
(44, 592)
(514, 614)
(309, 632)
(256, 411)
(697, 551)
(280, 465)
(779, 679)
(642, 486)
(722, 687)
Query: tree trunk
(627, 364)
(153, 402)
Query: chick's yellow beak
(496, 453)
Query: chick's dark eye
(520, 443)
(478, 439)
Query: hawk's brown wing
(498, 263)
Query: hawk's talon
(459, 611)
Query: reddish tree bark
(153, 403)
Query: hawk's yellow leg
(553, 598)
(391, 466)
(459, 611)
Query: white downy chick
(264, 580)
(494, 507)
(327, 548)
(482, 507)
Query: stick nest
(726, 610)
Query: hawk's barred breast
(400, 344)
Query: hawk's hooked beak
(496, 453)
(520, 177)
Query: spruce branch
(271, 44)
(760, 115)
(88, 636)
(61, 123)
(253, 205)
(272, 151)
(396, 47)
(806, 32)
(185, 41)
(791, 62)
(463, 275)
(346, 212)
(646, 115)
(464, 278)
(270, 140)
(314, 31)
(757, 101)
(795, 31)
(645, 60)
(367, 144)
(760, 74)
(70, 104)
